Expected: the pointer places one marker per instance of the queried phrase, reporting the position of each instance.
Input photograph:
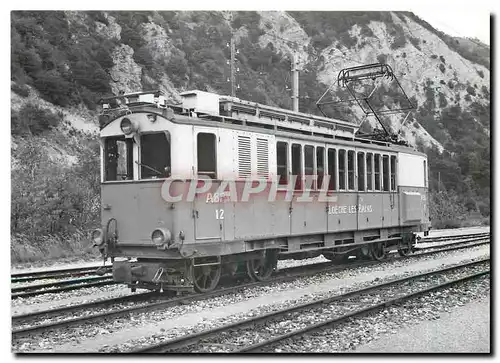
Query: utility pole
(295, 82)
(233, 70)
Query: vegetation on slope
(63, 56)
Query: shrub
(399, 41)
(434, 56)
(415, 42)
(21, 89)
(143, 56)
(471, 90)
(33, 119)
(382, 58)
(481, 74)
(442, 68)
(442, 59)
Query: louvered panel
(262, 158)
(244, 157)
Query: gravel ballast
(143, 329)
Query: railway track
(60, 286)
(74, 284)
(54, 319)
(439, 239)
(57, 274)
(265, 331)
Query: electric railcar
(218, 185)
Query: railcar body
(218, 185)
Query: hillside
(63, 62)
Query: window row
(365, 171)
(154, 153)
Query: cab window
(207, 159)
(155, 156)
(118, 162)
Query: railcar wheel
(205, 278)
(363, 253)
(260, 269)
(378, 251)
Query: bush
(442, 68)
(471, 90)
(415, 42)
(54, 88)
(34, 120)
(21, 89)
(481, 74)
(382, 58)
(399, 41)
(442, 59)
(54, 199)
(143, 56)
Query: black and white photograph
(250, 181)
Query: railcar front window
(155, 156)
(118, 161)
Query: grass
(46, 248)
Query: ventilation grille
(262, 158)
(244, 158)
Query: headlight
(161, 236)
(128, 126)
(98, 237)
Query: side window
(361, 171)
(309, 162)
(377, 171)
(393, 172)
(155, 156)
(342, 174)
(332, 169)
(282, 162)
(320, 165)
(385, 170)
(369, 171)
(118, 161)
(207, 160)
(297, 164)
(350, 170)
